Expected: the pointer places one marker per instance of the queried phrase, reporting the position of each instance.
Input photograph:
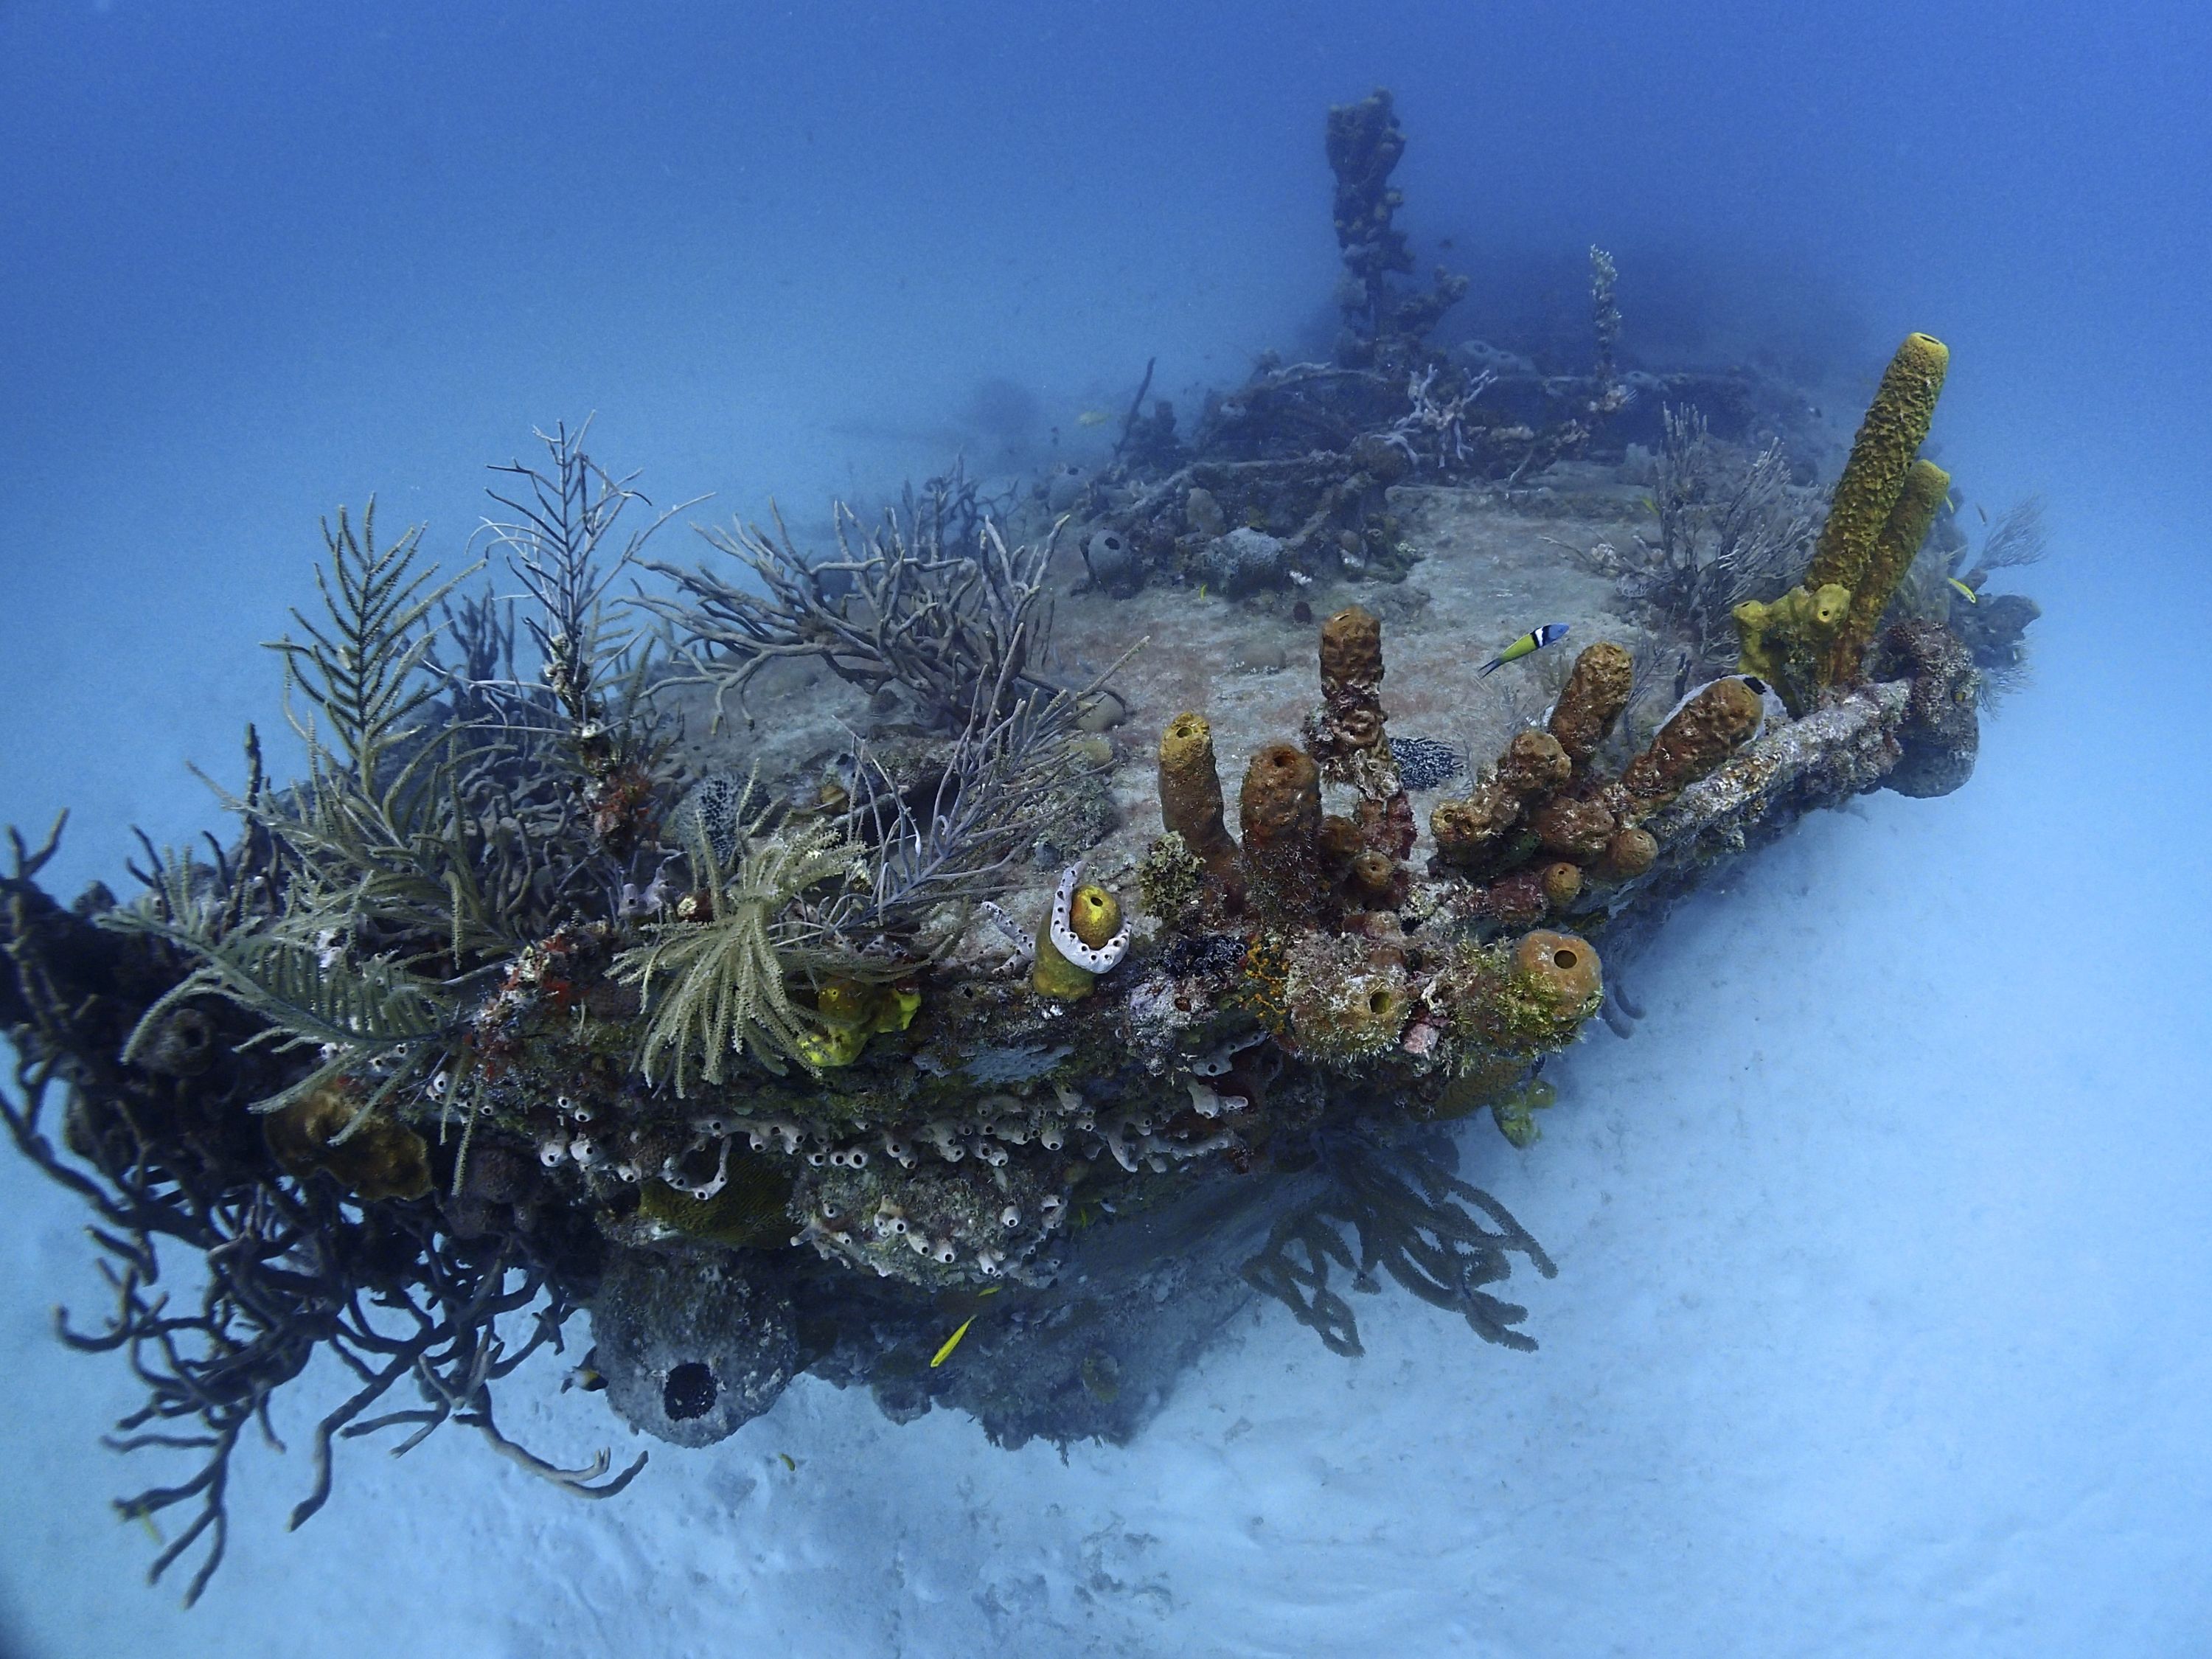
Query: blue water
(1883, 1260)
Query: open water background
(1879, 1328)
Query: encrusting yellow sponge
(1791, 642)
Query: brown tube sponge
(1338, 843)
(1352, 717)
(1563, 885)
(1352, 651)
(1628, 854)
(1373, 874)
(381, 1159)
(1279, 813)
(1595, 694)
(1470, 831)
(1533, 765)
(1528, 1000)
(1190, 793)
(1515, 900)
(1702, 734)
(1575, 826)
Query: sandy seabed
(1874, 1333)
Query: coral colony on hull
(819, 961)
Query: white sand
(1876, 1330)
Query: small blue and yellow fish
(1963, 592)
(1094, 417)
(1535, 639)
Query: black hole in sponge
(1563, 958)
(688, 1393)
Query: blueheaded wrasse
(1963, 590)
(950, 1343)
(1093, 417)
(1535, 640)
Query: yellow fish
(789, 1461)
(1093, 417)
(1963, 592)
(950, 1343)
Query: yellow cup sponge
(1094, 918)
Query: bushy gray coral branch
(895, 606)
(964, 840)
(564, 545)
(1731, 526)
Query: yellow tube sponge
(1926, 485)
(1801, 641)
(1895, 426)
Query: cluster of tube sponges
(1542, 827)
(1817, 634)
(1328, 891)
